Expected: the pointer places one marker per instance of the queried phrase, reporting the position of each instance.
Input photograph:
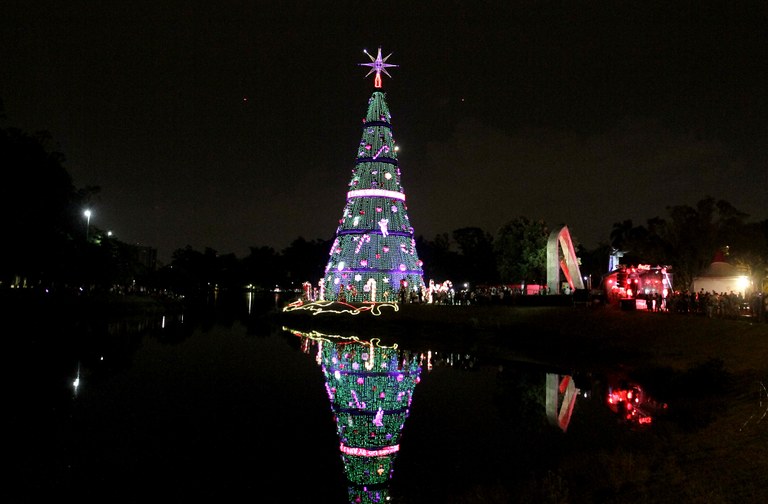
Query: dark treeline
(690, 237)
(48, 245)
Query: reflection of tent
(721, 277)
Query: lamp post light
(87, 214)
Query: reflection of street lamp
(87, 214)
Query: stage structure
(370, 387)
(373, 257)
(561, 256)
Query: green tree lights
(373, 256)
(370, 387)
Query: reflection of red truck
(631, 402)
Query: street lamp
(87, 214)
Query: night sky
(235, 124)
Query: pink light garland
(367, 193)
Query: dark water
(226, 407)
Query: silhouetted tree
(694, 234)
(261, 268)
(687, 240)
(189, 272)
(229, 272)
(622, 234)
(304, 261)
(40, 210)
(749, 249)
(440, 260)
(521, 250)
(478, 261)
(594, 262)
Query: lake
(226, 405)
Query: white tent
(721, 277)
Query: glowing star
(378, 65)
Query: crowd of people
(444, 293)
(730, 305)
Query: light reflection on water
(367, 382)
(191, 406)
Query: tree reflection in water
(370, 387)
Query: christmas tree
(373, 257)
(370, 387)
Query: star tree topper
(378, 65)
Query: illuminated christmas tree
(370, 387)
(373, 256)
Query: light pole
(87, 214)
